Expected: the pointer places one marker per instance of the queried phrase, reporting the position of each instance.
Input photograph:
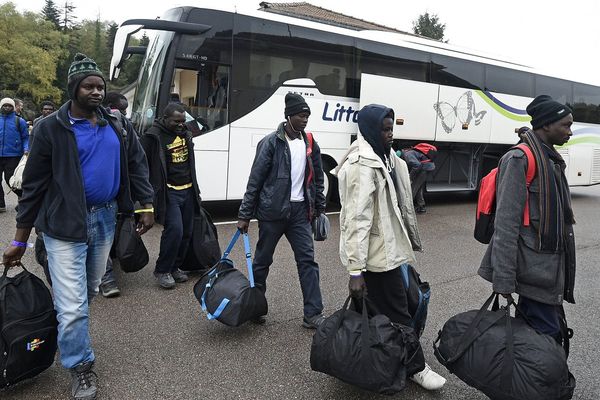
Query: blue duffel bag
(225, 293)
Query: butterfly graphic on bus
(462, 113)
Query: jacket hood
(370, 123)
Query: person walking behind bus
(420, 166)
(285, 192)
(536, 261)
(48, 108)
(14, 142)
(378, 225)
(170, 152)
(81, 170)
(116, 103)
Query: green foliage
(429, 26)
(28, 57)
(51, 13)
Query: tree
(28, 60)
(429, 26)
(68, 16)
(51, 13)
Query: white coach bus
(232, 69)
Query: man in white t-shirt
(285, 193)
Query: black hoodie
(370, 123)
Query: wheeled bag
(28, 327)
(503, 356)
(370, 352)
(226, 295)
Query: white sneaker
(428, 379)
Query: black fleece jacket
(53, 194)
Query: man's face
(559, 132)
(18, 107)
(299, 121)
(387, 134)
(7, 108)
(90, 92)
(47, 110)
(176, 122)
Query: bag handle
(247, 250)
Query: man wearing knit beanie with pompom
(84, 166)
(285, 193)
(535, 259)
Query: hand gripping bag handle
(247, 251)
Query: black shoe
(420, 210)
(260, 320)
(83, 384)
(313, 322)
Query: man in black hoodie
(84, 167)
(170, 152)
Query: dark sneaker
(83, 383)
(261, 320)
(313, 322)
(179, 276)
(109, 289)
(165, 281)
(2, 209)
(420, 210)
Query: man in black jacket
(169, 148)
(83, 168)
(285, 193)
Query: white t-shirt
(298, 157)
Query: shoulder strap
(528, 177)
(309, 138)
(17, 123)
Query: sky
(556, 37)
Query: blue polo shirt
(99, 156)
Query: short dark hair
(171, 108)
(47, 103)
(113, 98)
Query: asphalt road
(155, 344)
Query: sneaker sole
(308, 325)
(111, 293)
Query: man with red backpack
(533, 254)
(420, 165)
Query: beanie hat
(81, 67)
(7, 100)
(295, 104)
(543, 111)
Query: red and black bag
(486, 203)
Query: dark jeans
(544, 318)
(177, 232)
(298, 231)
(418, 179)
(386, 291)
(7, 167)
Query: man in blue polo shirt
(84, 166)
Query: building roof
(310, 12)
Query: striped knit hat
(81, 67)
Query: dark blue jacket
(14, 137)
(53, 194)
(267, 196)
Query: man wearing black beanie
(532, 250)
(285, 193)
(85, 166)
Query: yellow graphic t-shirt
(178, 169)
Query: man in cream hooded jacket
(378, 226)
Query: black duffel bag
(503, 356)
(226, 295)
(128, 245)
(28, 327)
(204, 250)
(369, 352)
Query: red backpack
(486, 203)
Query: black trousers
(387, 293)
(7, 167)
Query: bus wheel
(329, 183)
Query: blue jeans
(76, 269)
(298, 231)
(109, 275)
(177, 232)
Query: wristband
(21, 244)
(355, 274)
(144, 210)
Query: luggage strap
(213, 274)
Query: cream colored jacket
(378, 225)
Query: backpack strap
(309, 149)
(528, 177)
